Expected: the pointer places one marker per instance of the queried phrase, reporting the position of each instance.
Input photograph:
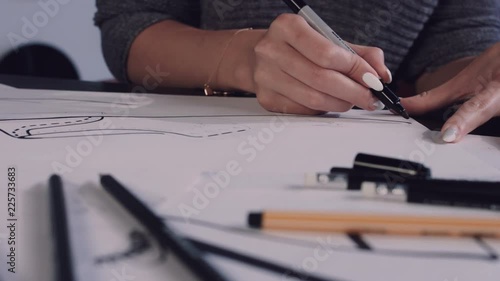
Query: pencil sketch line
(318, 118)
(44, 124)
(40, 101)
(132, 132)
(85, 135)
(50, 123)
(137, 116)
(34, 130)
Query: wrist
(236, 69)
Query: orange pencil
(375, 224)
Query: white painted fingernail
(372, 81)
(451, 134)
(390, 76)
(378, 105)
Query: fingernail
(372, 81)
(390, 76)
(378, 105)
(451, 134)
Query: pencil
(187, 253)
(259, 263)
(375, 224)
(63, 264)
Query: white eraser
(310, 179)
(369, 189)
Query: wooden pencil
(375, 223)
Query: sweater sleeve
(457, 29)
(121, 21)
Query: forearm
(191, 55)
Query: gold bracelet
(208, 90)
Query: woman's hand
(478, 85)
(299, 71)
(290, 66)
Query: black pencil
(167, 238)
(63, 264)
(286, 272)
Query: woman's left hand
(478, 85)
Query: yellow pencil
(375, 224)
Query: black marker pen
(396, 179)
(385, 95)
(458, 193)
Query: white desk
(159, 145)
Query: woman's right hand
(299, 71)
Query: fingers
(374, 57)
(323, 80)
(300, 92)
(275, 102)
(295, 31)
(298, 66)
(431, 100)
(472, 114)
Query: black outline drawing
(35, 127)
(65, 127)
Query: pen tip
(401, 110)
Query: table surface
(433, 121)
(161, 174)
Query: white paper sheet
(484, 148)
(3, 86)
(158, 145)
(36, 103)
(221, 220)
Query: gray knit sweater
(416, 35)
